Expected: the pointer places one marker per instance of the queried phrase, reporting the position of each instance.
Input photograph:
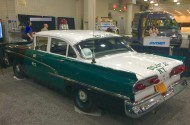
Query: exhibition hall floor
(25, 102)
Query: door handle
(33, 63)
(61, 60)
(41, 55)
(34, 55)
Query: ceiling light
(156, 4)
(145, 0)
(165, 11)
(178, 3)
(175, 1)
(178, 12)
(151, 1)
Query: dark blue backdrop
(37, 25)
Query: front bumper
(140, 108)
(175, 42)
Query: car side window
(58, 46)
(41, 43)
(71, 52)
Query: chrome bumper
(140, 108)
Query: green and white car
(92, 63)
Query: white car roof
(75, 36)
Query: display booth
(1, 31)
(65, 23)
(15, 29)
(105, 24)
(37, 21)
(158, 41)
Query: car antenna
(93, 56)
(93, 52)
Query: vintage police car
(97, 62)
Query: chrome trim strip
(91, 87)
(51, 68)
(71, 80)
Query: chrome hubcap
(17, 68)
(82, 96)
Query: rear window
(102, 47)
(162, 20)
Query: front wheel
(83, 100)
(17, 69)
(177, 46)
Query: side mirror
(179, 26)
(37, 48)
(87, 53)
(148, 27)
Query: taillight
(178, 70)
(154, 81)
(182, 68)
(145, 83)
(139, 86)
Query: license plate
(161, 88)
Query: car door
(39, 69)
(59, 52)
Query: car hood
(143, 65)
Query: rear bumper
(175, 42)
(140, 108)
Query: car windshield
(164, 23)
(102, 47)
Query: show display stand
(15, 36)
(14, 33)
(104, 23)
(156, 41)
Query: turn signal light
(140, 85)
(182, 68)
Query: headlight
(173, 30)
(173, 36)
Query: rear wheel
(83, 100)
(6, 60)
(17, 69)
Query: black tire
(177, 46)
(83, 100)
(18, 72)
(117, 31)
(6, 60)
